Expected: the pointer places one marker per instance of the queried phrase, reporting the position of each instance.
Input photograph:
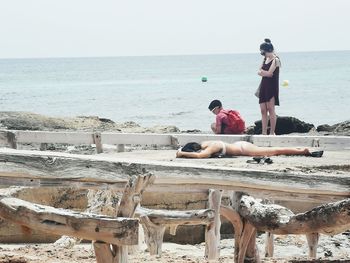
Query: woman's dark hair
(191, 147)
(266, 46)
(214, 104)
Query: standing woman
(269, 86)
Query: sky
(89, 28)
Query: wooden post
(252, 253)
(245, 243)
(43, 146)
(120, 148)
(312, 241)
(98, 142)
(130, 200)
(212, 233)
(235, 219)
(269, 246)
(154, 234)
(154, 222)
(11, 139)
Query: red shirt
(223, 124)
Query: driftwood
(107, 253)
(118, 231)
(175, 217)
(101, 202)
(249, 216)
(40, 169)
(329, 219)
(154, 234)
(154, 222)
(212, 233)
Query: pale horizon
(112, 28)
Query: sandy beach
(287, 248)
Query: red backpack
(236, 123)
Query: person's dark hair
(214, 104)
(191, 147)
(266, 46)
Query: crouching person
(227, 121)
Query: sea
(168, 90)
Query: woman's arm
(272, 69)
(209, 151)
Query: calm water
(168, 89)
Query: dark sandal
(316, 154)
(260, 160)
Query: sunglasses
(214, 109)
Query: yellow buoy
(285, 83)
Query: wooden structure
(118, 231)
(133, 177)
(13, 138)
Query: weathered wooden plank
(102, 169)
(175, 217)
(326, 142)
(54, 137)
(119, 231)
(136, 138)
(329, 219)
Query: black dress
(269, 86)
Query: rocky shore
(32, 121)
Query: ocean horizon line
(167, 55)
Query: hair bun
(267, 40)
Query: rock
(164, 129)
(342, 128)
(32, 121)
(325, 128)
(286, 125)
(250, 130)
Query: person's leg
(263, 110)
(272, 115)
(213, 127)
(249, 149)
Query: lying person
(218, 148)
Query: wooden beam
(326, 142)
(54, 137)
(176, 217)
(137, 138)
(119, 231)
(35, 167)
(130, 200)
(329, 219)
(212, 233)
(154, 234)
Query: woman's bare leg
(253, 150)
(272, 115)
(263, 109)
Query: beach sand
(286, 248)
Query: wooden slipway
(316, 180)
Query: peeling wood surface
(34, 168)
(329, 219)
(122, 231)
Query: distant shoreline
(31, 121)
(165, 55)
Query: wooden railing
(12, 138)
